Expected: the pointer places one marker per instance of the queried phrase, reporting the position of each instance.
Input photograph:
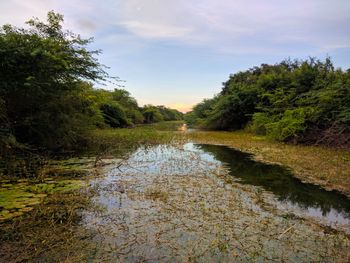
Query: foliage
(42, 71)
(47, 99)
(198, 116)
(154, 114)
(170, 114)
(300, 101)
(289, 126)
(151, 114)
(114, 115)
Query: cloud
(16, 12)
(153, 30)
(240, 26)
(87, 24)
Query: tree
(114, 115)
(297, 101)
(41, 74)
(152, 114)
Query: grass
(49, 233)
(328, 167)
(117, 141)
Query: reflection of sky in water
(165, 202)
(293, 195)
(170, 160)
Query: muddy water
(191, 203)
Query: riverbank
(327, 167)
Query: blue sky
(177, 53)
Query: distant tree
(152, 114)
(133, 111)
(170, 114)
(114, 115)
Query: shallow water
(331, 207)
(176, 204)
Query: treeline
(47, 99)
(117, 109)
(300, 101)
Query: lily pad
(18, 198)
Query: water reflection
(317, 202)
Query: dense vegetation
(306, 101)
(47, 98)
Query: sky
(176, 53)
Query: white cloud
(232, 26)
(16, 12)
(153, 30)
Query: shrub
(289, 127)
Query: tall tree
(41, 73)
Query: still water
(201, 203)
(330, 206)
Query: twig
(285, 231)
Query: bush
(258, 125)
(289, 127)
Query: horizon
(178, 53)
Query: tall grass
(117, 141)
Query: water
(294, 195)
(171, 203)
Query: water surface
(330, 206)
(174, 203)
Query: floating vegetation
(18, 197)
(73, 167)
(180, 204)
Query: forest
(298, 101)
(48, 94)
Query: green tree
(300, 101)
(152, 114)
(114, 115)
(41, 73)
